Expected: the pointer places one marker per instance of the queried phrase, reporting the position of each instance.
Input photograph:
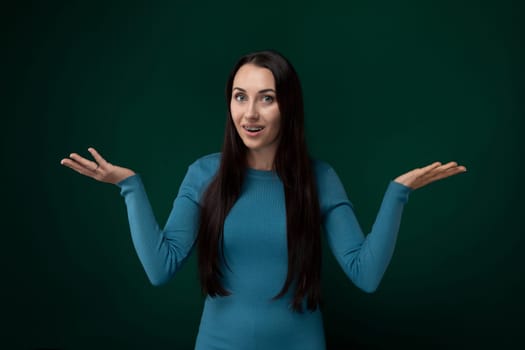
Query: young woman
(255, 213)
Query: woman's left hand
(423, 176)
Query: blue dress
(255, 248)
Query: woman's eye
(240, 97)
(268, 98)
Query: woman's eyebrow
(260, 91)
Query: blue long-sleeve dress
(255, 247)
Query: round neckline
(261, 174)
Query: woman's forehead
(252, 77)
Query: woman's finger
(100, 160)
(445, 169)
(430, 167)
(449, 165)
(445, 172)
(451, 170)
(79, 168)
(435, 169)
(84, 162)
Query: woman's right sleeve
(161, 252)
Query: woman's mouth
(253, 130)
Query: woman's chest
(255, 228)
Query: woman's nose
(251, 111)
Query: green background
(389, 86)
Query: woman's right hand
(100, 170)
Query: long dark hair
(294, 168)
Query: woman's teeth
(253, 129)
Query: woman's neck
(260, 160)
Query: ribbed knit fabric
(256, 251)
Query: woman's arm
(365, 259)
(161, 252)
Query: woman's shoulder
(212, 157)
(321, 168)
(330, 189)
(206, 165)
(199, 175)
(326, 177)
(324, 174)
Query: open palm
(100, 169)
(420, 177)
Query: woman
(255, 213)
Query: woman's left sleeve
(364, 259)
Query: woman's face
(255, 111)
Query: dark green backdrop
(389, 86)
